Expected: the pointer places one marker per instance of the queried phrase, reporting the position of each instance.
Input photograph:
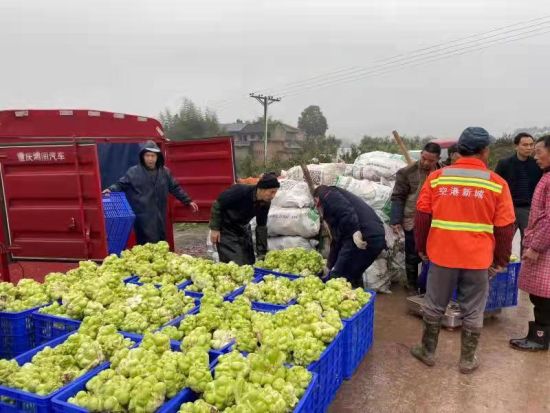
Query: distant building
(283, 141)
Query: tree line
(192, 122)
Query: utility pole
(265, 101)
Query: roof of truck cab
(62, 124)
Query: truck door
(204, 168)
(51, 201)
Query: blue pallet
(358, 337)
(60, 402)
(47, 327)
(19, 401)
(16, 333)
(119, 221)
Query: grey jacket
(408, 182)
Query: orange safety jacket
(466, 201)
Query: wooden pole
(403, 148)
(307, 178)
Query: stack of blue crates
(119, 220)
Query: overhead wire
(410, 59)
(527, 23)
(417, 62)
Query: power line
(442, 51)
(405, 59)
(354, 68)
(417, 62)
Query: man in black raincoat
(146, 186)
(230, 220)
(358, 235)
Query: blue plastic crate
(307, 402)
(330, 374)
(262, 271)
(265, 306)
(48, 327)
(119, 220)
(176, 322)
(169, 323)
(227, 297)
(358, 337)
(181, 286)
(261, 306)
(503, 288)
(130, 280)
(305, 405)
(19, 401)
(16, 333)
(60, 402)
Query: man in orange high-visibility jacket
(465, 225)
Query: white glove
(358, 240)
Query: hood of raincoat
(151, 146)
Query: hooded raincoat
(147, 192)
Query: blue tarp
(115, 159)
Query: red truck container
(54, 164)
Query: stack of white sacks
(371, 177)
(292, 220)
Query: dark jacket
(346, 213)
(508, 167)
(231, 215)
(147, 192)
(403, 199)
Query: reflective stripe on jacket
(466, 202)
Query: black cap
(268, 181)
(474, 138)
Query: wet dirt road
(390, 380)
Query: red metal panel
(52, 200)
(43, 125)
(4, 255)
(204, 168)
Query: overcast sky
(141, 56)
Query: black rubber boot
(468, 359)
(538, 339)
(411, 269)
(425, 352)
